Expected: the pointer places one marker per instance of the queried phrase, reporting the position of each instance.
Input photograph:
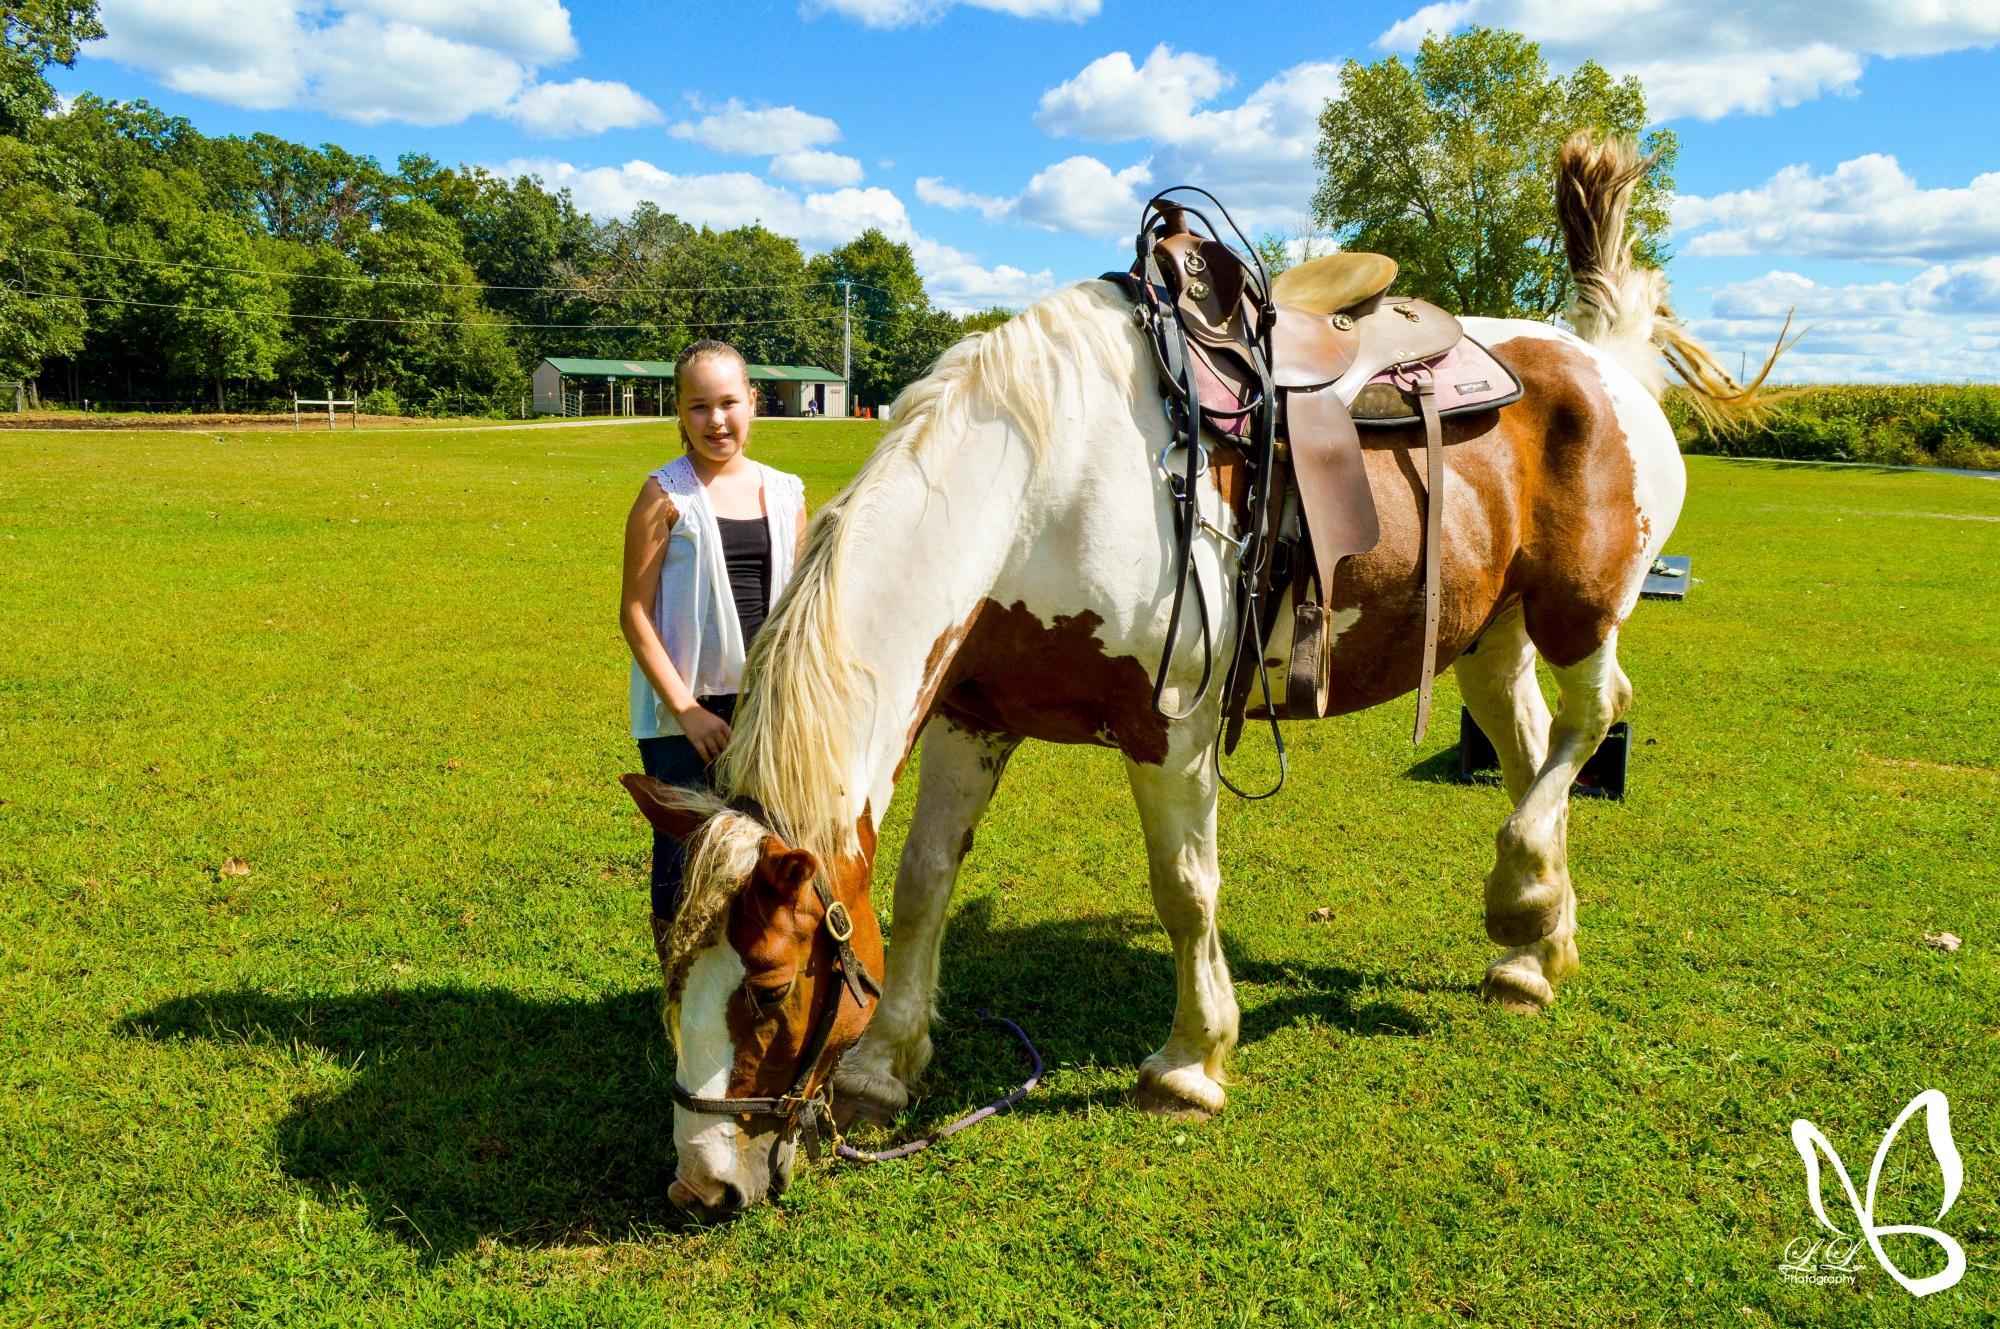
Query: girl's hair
(708, 350)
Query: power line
(365, 279)
(500, 324)
(421, 281)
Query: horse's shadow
(476, 1113)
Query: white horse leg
(959, 772)
(1177, 807)
(1529, 903)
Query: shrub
(1905, 425)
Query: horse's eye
(768, 997)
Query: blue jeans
(673, 760)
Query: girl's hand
(705, 729)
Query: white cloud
(1256, 155)
(1710, 58)
(811, 167)
(536, 32)
(1079, 195)
(428, 62)
(581, 106)
(934, 191)
(957, 282)
(903, 13)
(723, 199)
(742, 131)
(1084, 196)
(370, 71)
(243, 52)
(1939, 325)
(818, 220)
(1112, 100)
(1757, 80)
(1867, 208)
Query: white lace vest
(693, 608)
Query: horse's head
(770, 965)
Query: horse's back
(1558, 501)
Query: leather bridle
(801, 1102)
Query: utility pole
(847, 344)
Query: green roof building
(566, 385)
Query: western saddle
(1283, 372)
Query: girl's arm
(647, 527)
(801, 547)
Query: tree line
(148, 263)
(142, 261)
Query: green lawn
(409, 1071)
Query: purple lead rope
(917, 1146)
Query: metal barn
(571, 386)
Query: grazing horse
(1002, 568)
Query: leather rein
(1154, 299)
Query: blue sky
(1839, 157)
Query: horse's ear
(784, 875)
(656, 800)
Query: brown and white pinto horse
(1002, 569)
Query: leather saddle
(1339, 352)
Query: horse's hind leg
(1177, 808)
(1530, 906)
(960, 770)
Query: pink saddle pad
(1468, 378)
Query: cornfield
(1904, 425)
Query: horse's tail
(1621, 306)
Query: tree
(1277, 255)
(226, 316)
(1446, 165)
(35, 34)
(984, 320)
(897, 334)
(39, 315)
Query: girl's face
(715, 406)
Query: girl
(709, 544)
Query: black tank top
(746, 549)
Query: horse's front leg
(959, 772)
(1177, 807)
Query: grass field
(408, 1070)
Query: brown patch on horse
(941, 653)
(1540, 507)
(776, 927)
(1015, 674)
(1582, 522)
(1229, 472)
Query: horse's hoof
(1521, 991)
(1182, 1094)
(1157, 1102)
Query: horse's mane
(803, 719)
